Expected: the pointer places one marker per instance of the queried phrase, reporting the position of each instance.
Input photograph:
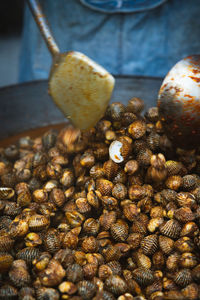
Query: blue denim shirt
(127, 37)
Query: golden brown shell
(149, 244)
(183, 277)
(28, 254)
(38, 222)
(91, 226)
(6, 193)
(170, 228)
(104, 186)
(110, 169)
(116, 285)
(6, 243)
(19, 274)
(119, 231)
(143, 276)
(6, 261)
(166, 244)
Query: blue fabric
(142, 43)
(122, 6)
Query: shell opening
(115, 152)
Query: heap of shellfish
(109, 213)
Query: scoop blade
(80, 88)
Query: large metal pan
(28, 106)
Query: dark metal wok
(28, 106)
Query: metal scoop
(80, 87)
(179, 102)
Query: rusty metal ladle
(179, 103)
(80, 87)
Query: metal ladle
(80, 87)
(179, 103)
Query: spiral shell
(49, 139)
(86, 289)
(137, 129)
(104, 272)
(26, 293)
(136, 192)
(130, 211)
(12, 209)
(103, 295)
(107, 219)
(109, 203)
(5, 223)
(143, 276)
(57, 196)
(184, 214)
(18, 228)
(91, 226)
(5, 262)
(153, 288)
(173, 261)
(196, 273)
(87, 160)
(6, 243)
(191, 291)
(112, 253)
(47, 293)
(116, 285)
(38, 222)
(28, 254)
(134, 240)
(83, 205)
(104, 186)
(97, 171)
(185, 199)
(183, 277)
(174, 167)
(189, 182)
(53, 274)
(149, 244)
(119, 191)
(135, 105)
(6, 193)
(74, 273)
(184, 244)
(119, 231)
(115, 267)
(173, 182)
(131, 167)
(67, 287)
(170, 228)
(143, 261)
(158, 259)
(7, 291)
(139, 226)
(70, 240)
(110, 169)
(153, 141)
(188, 260)
(89, 244)
(175, 295)
(19, 274)
(166, 244)
(189, 229)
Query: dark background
(11, 24)
(11, 16)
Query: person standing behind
(127, 37)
